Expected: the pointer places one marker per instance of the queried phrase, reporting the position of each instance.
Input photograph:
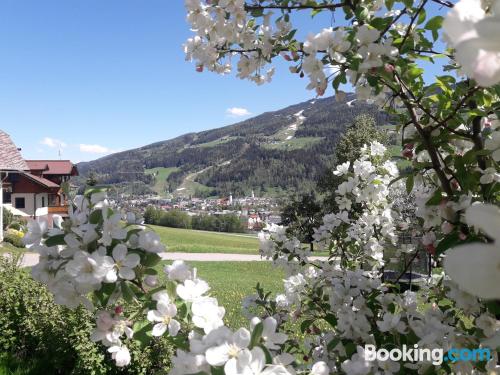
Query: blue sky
(89, 77)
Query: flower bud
(151, 280)
(389, 68)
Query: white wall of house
(29, 201)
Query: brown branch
(407, 266)
(412, 21)
(388, 27)
(476, 137)
(445, 3)
(425, 134)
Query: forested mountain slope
(276, 152)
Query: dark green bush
(36, 330)
(15, 225)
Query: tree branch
(445, 3)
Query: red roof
(10, 157)
(53, 167)
(41, 181)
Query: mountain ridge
(277, 152)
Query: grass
(294, 143)
(161, 175)
(231, 282)
(214, 143)
(6, 247)
(193, 241)
(190, 187)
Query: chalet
(37, 187)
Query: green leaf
(447, 242)
(150, 259)
(269, 358)
(435, 199)
(445, 302)
(434, 25)
(95, 217)
(88, 193)
(332, 344)
(55, 240)
(421, 17)
(305, 325)
(171, 288)
(350, 348)
(410, 180)
(105, 293)
(127, 292)
(256, 334)
(142, 332)
(331, 319)
(493, 307)
(150, 271)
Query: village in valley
(43, 188)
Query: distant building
(36, 188)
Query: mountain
(274, 153)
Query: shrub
(7, 218)
(15, 225)
(14, 237)
(36, 330)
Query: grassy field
(294, 143)
(193, 241)
(231, 282)
(214, 143)
(6, 247)
(161, 175)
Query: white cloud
(53, 143)
(237, 112)
(95, 149)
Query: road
(30, 259)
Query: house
(11, 161)
(38, 187)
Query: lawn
(294, 143)
(6, 247)
(231, 282)
(161, 175)
(193, 241)
(214, 143)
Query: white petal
(231, 367)
(111, 276)
(173, 327)
(485, 217)
(275, 370)
(166, 309)
(120, 252)
(154, 316)
(258, 360)
(270, 325)
(218, 355)
(132, 260)
(159, 329)
(242, 338)
(126, 273)
(476, 269)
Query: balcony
(58, 210)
